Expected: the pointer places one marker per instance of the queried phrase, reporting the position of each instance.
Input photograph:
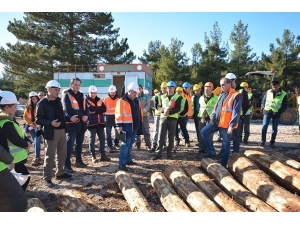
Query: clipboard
(121, 136)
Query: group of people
(62, 122)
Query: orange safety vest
(28, 116)
(75, 104)
(190, 106)
(123, 112)
(99, 103)
(226, 112)
(110, 105)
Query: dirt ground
(97, 181)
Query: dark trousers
(196, 122)
(182, 122)
(166, 125)
(236, 139)
(21, 168)
(245, 127)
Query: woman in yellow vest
(32, 127)
(18, 143)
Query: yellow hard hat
(244, 84)
(178, 89)
(163, 84)
(156, 91)
(196, 87)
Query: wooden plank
(167, 195)
(233, 188)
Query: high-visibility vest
(158, 112)
(226, 111)
(249, 97)
(75, 104)
(166, 104)
(152, 102)
(274, 104)
(209, 106)
(189, 99)
(27, 115)
(3, 165)
(17, 152)
(123, 112)
(110, 105)
(183, 101)
(91, 116)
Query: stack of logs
(254, 181)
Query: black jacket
(45, 115)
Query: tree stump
(213, 191)
(284, 175)
(136, 200)
(260, 184)
(167, 195)
(35, 205)
(233, 188)
(188, 191)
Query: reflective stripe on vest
(274, 104)
(189, 99)
(226, 112)
(110, 105)
(209, 107)
(123, 112)
(75, 104)
(166, 103)
(17, 152)
(99, 103)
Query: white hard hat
(52, 84)
(112, 88)
(230, 76)
(93, 89)
(134, 87)
(146, 92)
(32, 94)
(8, 98)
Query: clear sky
(187, 26)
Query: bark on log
(287, 161)
(286, 176)
(35, 205)
(260, 184)
(136, 200)
(70, 204)
(188, 191)
(213, 191)
(234, 188)
(167, 195)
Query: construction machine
(264, 78)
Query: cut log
(287, 161)
(35, 205)
(233, 188)
(286, 176)
(260, 184)
(70, 204)
(136, 200)
(213, 191)
(167, 195)
(188, 191)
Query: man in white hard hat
(74, 104)
(129, 115)
(110, 102)
(51, 117)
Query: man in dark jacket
(273, 104)
(74, 105)
(51, 117)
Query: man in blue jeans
(224, 118)
(128, 115)
(74, 105)
(273, 104)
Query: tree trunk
(213, 191)
(287, 161)
(188, 191)
(35, 205)
(167, 195)
(233, 188)
(136, 200)
(286, 176)
(260, 184)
